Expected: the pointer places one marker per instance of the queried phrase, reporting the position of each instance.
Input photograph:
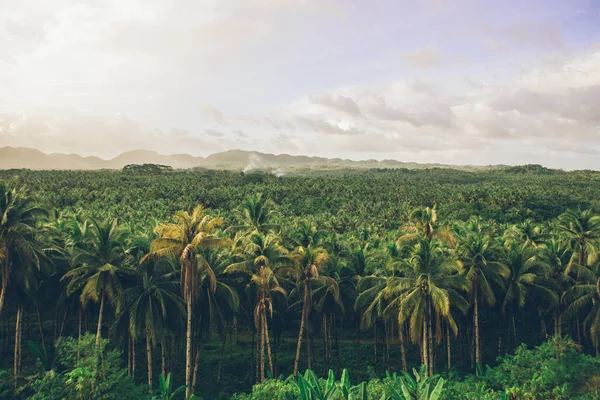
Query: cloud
(211, 113)
(427, 57)
(325, 127)
(214, 133)
(338, 102)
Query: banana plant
(165, 388)
(419, 388)
(311, 388)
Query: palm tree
(582, 229)
(307, 234)
(528, 278)
(308, 262)
(183, 239)
(257, 256)
(527, 232)
(256, 213)
(266, 285)
(216, 306)
(557, 257)
(423, 223)
(148, 299)
(479, 255)
(428, 288)
(19, 215)
(585, 296)
(100, 264)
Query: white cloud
(429, 56)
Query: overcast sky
(461, 82)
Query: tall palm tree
(480, 257)
(153, 293)
(430, 285)
(585, 296)
(19, 215)
(266, 285)
(582, 229)
(256, 257)
(99, 268)
(557, 257)
(528, 279)
(217, 307)
(307, 263)
(183, 239)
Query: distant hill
(21, 157)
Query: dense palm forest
(433, 284)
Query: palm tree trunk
(149, 354)
(196, 365)
(299, 345)
(128, 355)
(221, 361)
(257, 358)
(358, 350)
(18, 336)
(266, 333)
(235, 329)
(430, 340)
(544, 330)
(100, 314)
(133, 358)
(40, 326)
(424, 348)
(402, 349)
(476, 324)
(188, 349)
(79, 317)
(387, 346)
(448, 347)
(5, 276)
(375, 346)
(261, 349)
(163, 357)
(514, 329)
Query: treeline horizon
(330, 264)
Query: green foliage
(420, 387)
(80, 380)
(6, 388)
(165, 389)
(555, 370)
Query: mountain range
(22, 157)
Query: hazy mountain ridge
(22, 157)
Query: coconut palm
(557, 257)
(582, 229)
(217, 307)
(307, 263)
(256, 257)
(153, 293)
(584, 296)
(480, 257)
(183, 238)
(430, 286)
(528, 279)
(19, 215)
(99, 268)
(423, 223)
(256, 212)
(266, 285)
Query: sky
(459, 82)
